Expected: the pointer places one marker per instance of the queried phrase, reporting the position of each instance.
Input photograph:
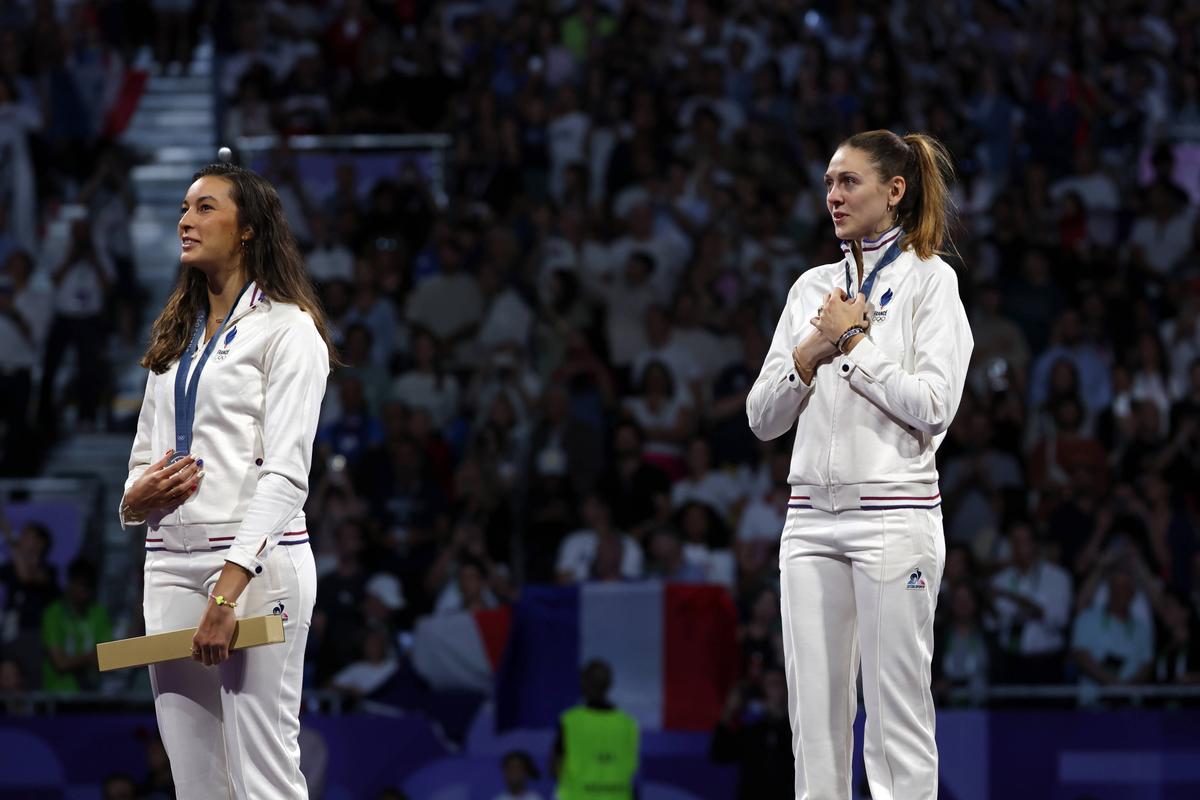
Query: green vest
(600, 755)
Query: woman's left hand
(210, 645)
(839, 315)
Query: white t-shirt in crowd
(577, 553)
(761, 520)
(1163, 244)
(717, 564)
(1049, 586)
(426, 391)
(665, 417)
(716, 489)
(81, 294)
(333, 262)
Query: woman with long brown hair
(238, 361)
(868, 361)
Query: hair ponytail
(929, 217)
(926, 211)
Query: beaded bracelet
(220, 600)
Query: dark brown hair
(926, 211)
(271, 258)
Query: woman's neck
(856, 246)
(223, 289)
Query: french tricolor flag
(461, 650)
(672, 648)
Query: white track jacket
(876, 416)
(258, 402)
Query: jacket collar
(872, 251)
(250, 300)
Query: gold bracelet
(128, 514)
(219, 599)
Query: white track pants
(851, 588)
(231, 731)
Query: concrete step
(172, 119)
(167, 101)
(180, 84)
(200, 138)
(183, 154)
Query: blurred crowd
(546, 373)
(69, 83)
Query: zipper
(832, 434)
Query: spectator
(81, 290)
(765, 515)
(667, 561)
(119, 786)
(577, 554)
(759, 743)
(356, 354)
(372, 670)
(18, 352)
(965, 649)
(450, 305)
(72, 626)
(1161, 238)
(355, 431)
(12, 687)
(30, 586)
(978, 483)
(637, 492)
(17, 121)
(627, 298)
(329, 259)
(465, 576)
(374, 311)
(1111, 646)
(518, 769)
(561, 442)
(427, 384)
(383, 602)
(761, 637)
(596, 742)
(1086, 357)
(337, 619)
(706, 542)
(1177, 660)
(35, 302)
(1032, 605)
(732, 440)
(665, 419)
(158, 783)
(469, 591)
(664, 347)
(702, 484)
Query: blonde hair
(926, 211)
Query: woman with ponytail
(868, 361)
(238, 360)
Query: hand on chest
(889, 310)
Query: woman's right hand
(164, 485)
